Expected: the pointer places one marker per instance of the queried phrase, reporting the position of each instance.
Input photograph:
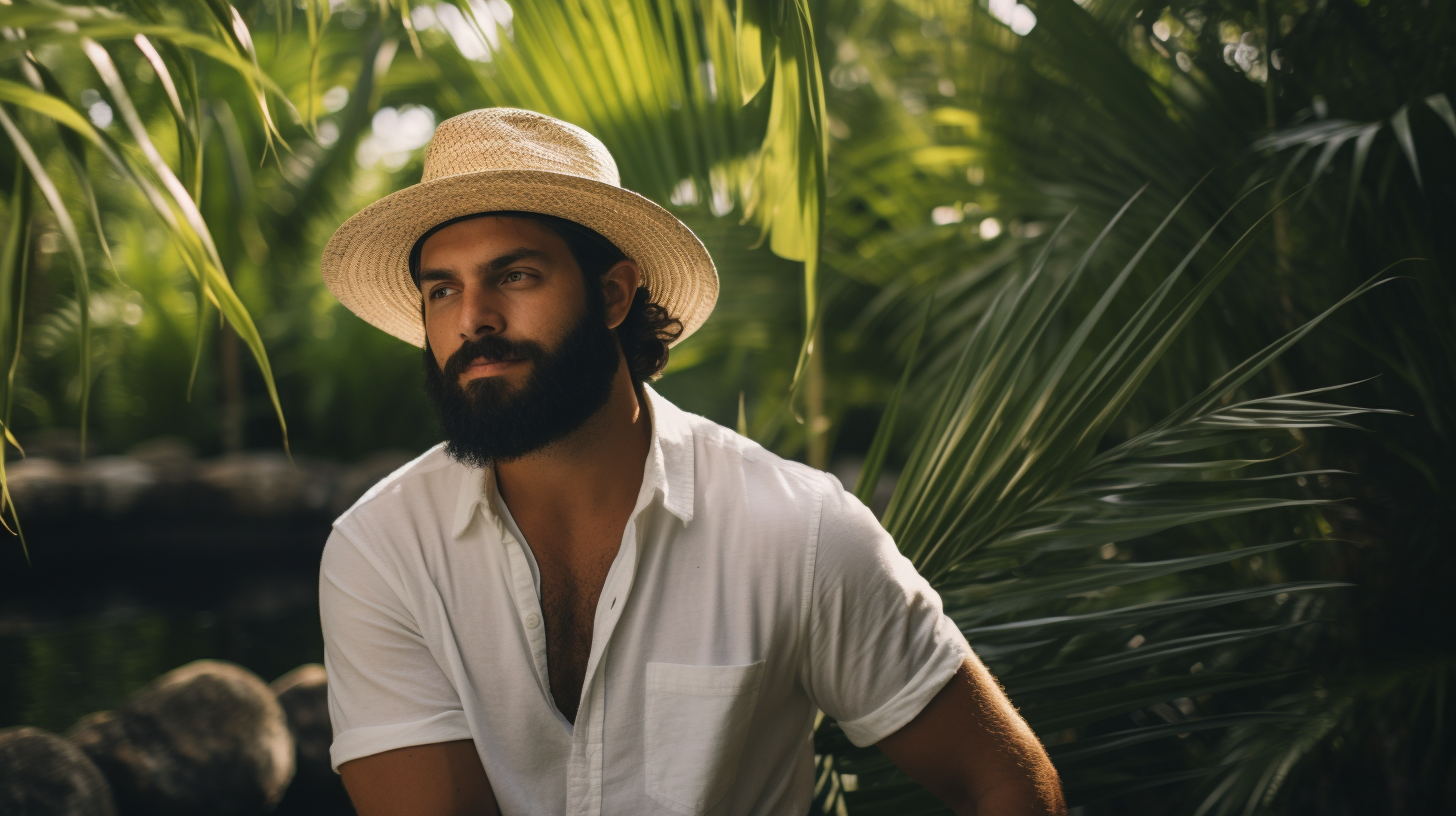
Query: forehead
(481, 239)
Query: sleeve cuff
(355, 743)
(912, 699)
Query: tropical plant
(757, 148)
(947, 143)
(1029, 530)
(1098, 99)
(47, 47)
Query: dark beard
(489, 421)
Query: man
(588, 601)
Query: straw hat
(507, 159)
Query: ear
(619, 287)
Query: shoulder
(422, 491)
(737, 475)
(726, 459)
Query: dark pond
(139, 564)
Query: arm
(440, 779)
(886, 662)
(401, 741)
(969, 747)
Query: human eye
(515, 276)
(441, 291)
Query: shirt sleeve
(880, 647)
(386, 688)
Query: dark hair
(644, 333)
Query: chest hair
(569, 596)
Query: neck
(595, 470)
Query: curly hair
(645, 335)
(647, 330)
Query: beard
(488, 420)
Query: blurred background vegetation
(1024, 241)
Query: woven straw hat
(507, 159)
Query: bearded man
(587, 601)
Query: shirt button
(533, 620)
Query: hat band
(582, 231)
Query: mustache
(491, 347)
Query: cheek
(565, 307)
(442, 343)
(441, 356)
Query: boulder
(40, 485)
(266, 485)
(111, 485)
(316, 790)
(170, 457)
(207, 738)
(356, 480)
(42, 774)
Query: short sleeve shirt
(748, 593)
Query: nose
(481, 312)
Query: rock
(304, 695)
(171, 458)
(59, 443)
(39, 484)
(163, 478)
(161, 450)
(316, 789)
(42, 774)
(354, 481)
(111, 485)
(206, 738)
(266, 485)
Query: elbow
(1035, 792)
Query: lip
(483, 367)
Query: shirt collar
(669, 469)
(672, 453)
(472, 492)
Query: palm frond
(54, 47)
(1331, 135)
(1010, 509)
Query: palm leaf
(1006, 505)
(697, 107)
(77, 32)
(14, 266)
(73, 243)
(1330, 135)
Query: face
(519, 354)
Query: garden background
(1132, 319)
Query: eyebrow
(494, 265)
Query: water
(99, 614)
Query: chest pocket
(697, 720)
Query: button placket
(584, 773)
(587, 739)
(528, 607)
(585, 768)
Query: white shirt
(747, 592)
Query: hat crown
(505, 159)
(514, 139)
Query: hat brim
(366, 262)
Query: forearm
(440, 779)
(1035, 791)
(972, 749)
(1038, 794)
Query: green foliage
(1008, 507)
(1099, 100)
(1100, 519)
(45, 43)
